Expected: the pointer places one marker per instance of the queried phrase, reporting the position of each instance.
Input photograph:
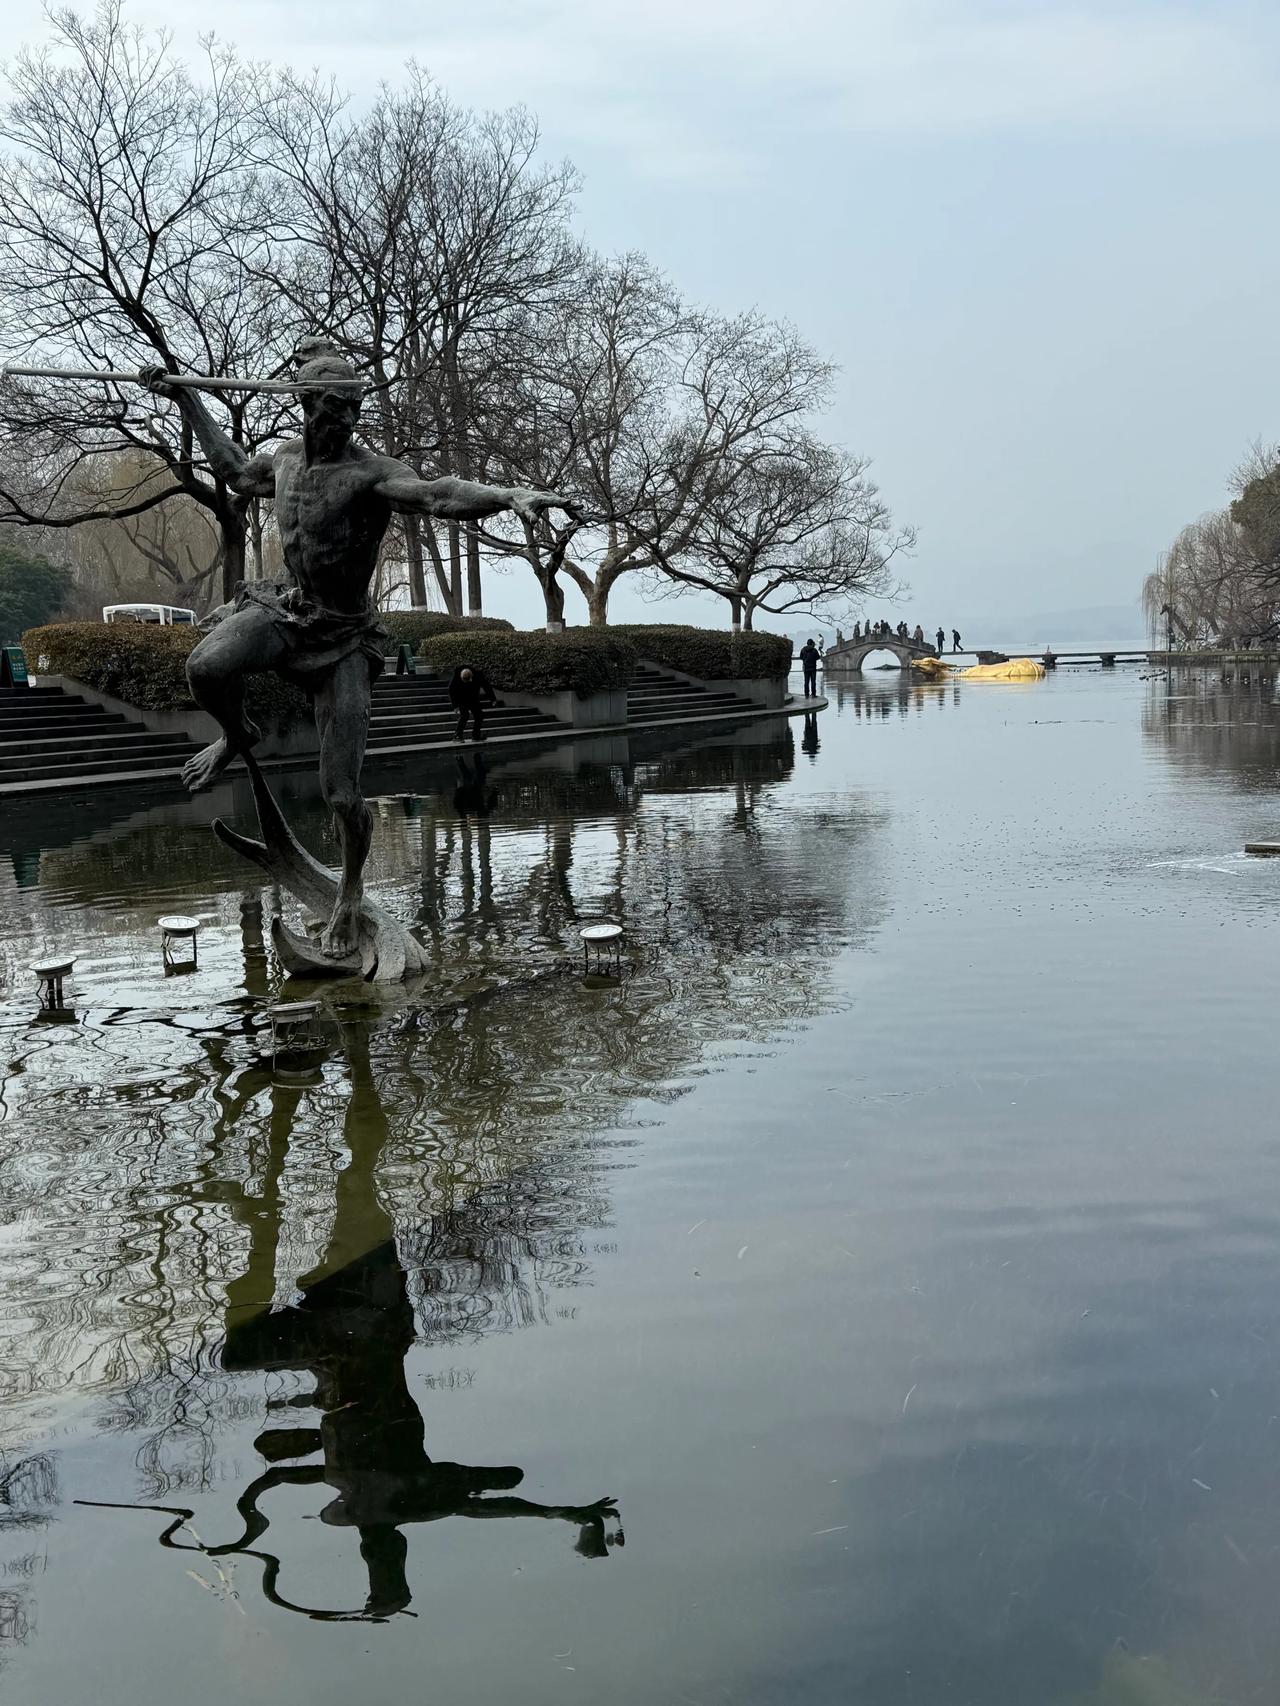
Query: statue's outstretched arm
(507, 1506)
(251, 476)
(450, 499)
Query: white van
(165, 615)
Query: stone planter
(595, 711)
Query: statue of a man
(334, 501)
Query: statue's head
(334, 407)
(308, 348)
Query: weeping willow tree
(1209, 588)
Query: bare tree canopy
(1219, 582)
(654, 415)
(125, 237)
(1255, 509)
(1208, 588)
(423, 240)
(208, 220)
(787, 531)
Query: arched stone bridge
(850, 655)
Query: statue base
(387, 951)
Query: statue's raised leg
(236, 646)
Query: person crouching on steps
(469, 693)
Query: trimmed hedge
(146, 665)
(412, 627)
(709, 654)
(588, 660)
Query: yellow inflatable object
(1017, 669)
(933, 669)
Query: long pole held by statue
(192, 381)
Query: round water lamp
(176, 928)
(298, 1044)
(602, 939)
(49, 974)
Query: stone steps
(406, 709)
(48, 735)
(654, 696)
(12, 751)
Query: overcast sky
(1039, 238)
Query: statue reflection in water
(351, 1329)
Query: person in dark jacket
(942, 641)
(809, 659)
(469, 692)
(955, 639)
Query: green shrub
(412, 627)
(709, 654)
(588, 660)
(146, 665)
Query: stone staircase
(656, 696)
(408, 710)
(47, 735)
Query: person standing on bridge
(942, 641)
(917, 639)
(809, 661)
(955, 640)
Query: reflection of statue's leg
(384, 1550)
(239, 646)
(342, 717)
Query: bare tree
(646, 411)
(786, 532)
(422, 238)
(125, 239)
(174, 549)
(1210, 587)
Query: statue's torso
(331, 522)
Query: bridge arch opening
(881, 658)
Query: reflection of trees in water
(28, 1493)
(349, 1327)
(1213, 726)
(896, 693)
(180, 1189)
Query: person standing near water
(809, 661)
(955, 639)
(942, 641)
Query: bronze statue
(334, 500)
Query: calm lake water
(873, 1297)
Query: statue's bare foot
(202, 770)
(199, 772)
(340, 937)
